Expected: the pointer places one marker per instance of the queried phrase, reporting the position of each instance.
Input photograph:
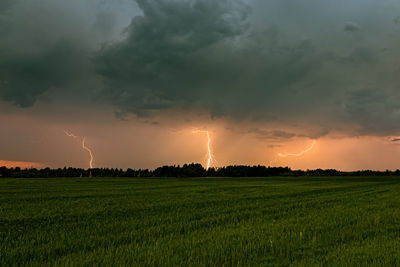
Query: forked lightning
(69, 134)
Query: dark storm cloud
(47, 45)
(239, 59)
(26, 76)
(36, 51)
(163, 60)
(376, 110)
(296, 62)
(201, 54)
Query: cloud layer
(330, 66)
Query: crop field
(299, 221)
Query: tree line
(187, 170)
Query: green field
(200, 221)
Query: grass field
(209, 221)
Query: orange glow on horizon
(21, 164)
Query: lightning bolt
(210, 156)
(69, 134)
(282, 155)
(90, 153)
(298, 154)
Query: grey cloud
(220, 57)
(201, 54)
(362, 55)
(351, 27)
(375, 110)
(34, 57)
(26, 76)
(293, 62)
(274, 134)
(5, 5)
(167, 50)
(47, 44)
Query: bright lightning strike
(210, 156)
(282, 155)
(69, 134)
(90, 153)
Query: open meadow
(300, 221)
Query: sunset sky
(135, 78)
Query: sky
(136, 78)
